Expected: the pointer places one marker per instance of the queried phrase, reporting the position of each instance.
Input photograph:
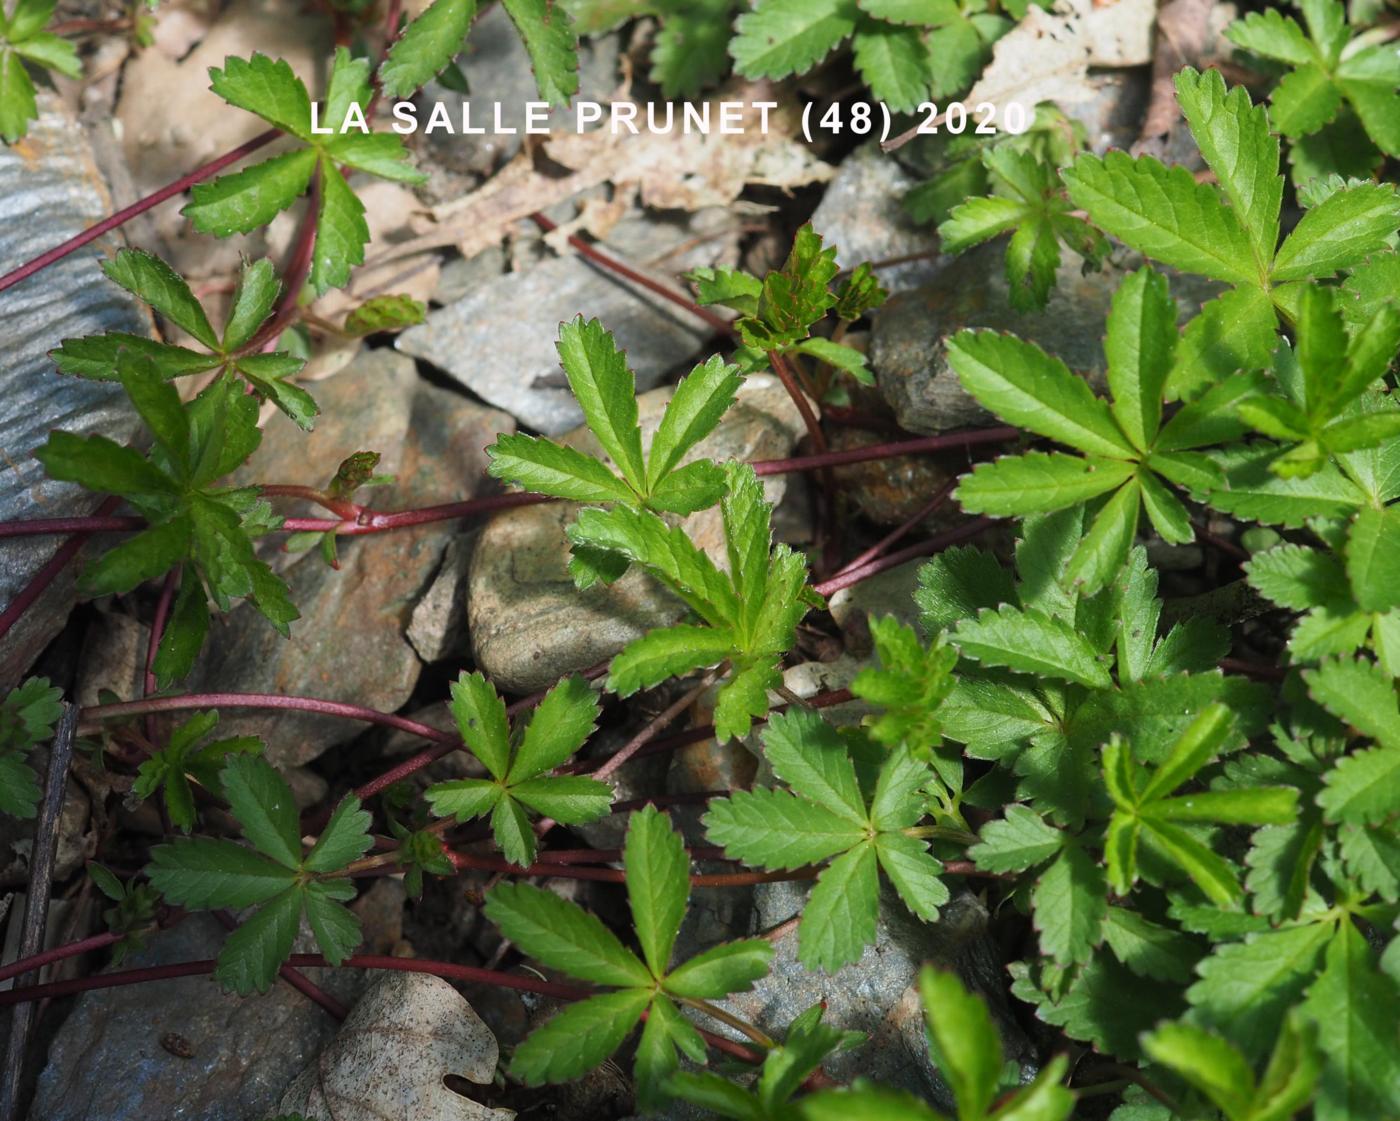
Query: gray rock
(889, 593)
(878, 994)
(862, 214)
(907, 347)
(498, 340)
(350, 643)
(107, 1059)
(52, 190)
(530, 625)
(438, 626)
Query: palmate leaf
(520, 778)
(825, 816)
(894, 64)
(247, 199)
(205, 873)
(562, 935)
(22, 39)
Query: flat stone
(879, 993)
(530, 625)
(350, 642)
(499, 339)
(908, 341)
(108, 1059)
(862, 213)
(52, 190)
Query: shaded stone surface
(51, 189)
(108, 1061)
(878, 994)
(530, 625)
(862, 214)
(499, 339)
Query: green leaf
(1201, 742)
(1235, 331)
(979, 219)
(569, 799)
(426, 47)
(544, 467)
(266, 811)
(345, 838)
(1070, 902)
(1104, 549)
(163, 288)
(1148, 949)
(1359, 694)
(206, 872)
(893, 61)
(1140, 343)
(782, 37)
(690, 50)
(253, 300)
(480, 715)
(95, 356)
(578, 1038)
(1016, 842)
(147, 555)
(253, 953)
(563, 936)
(1027, 387)
(1031, 642)
(335, 928)
(730, 967)
(1234, 138)
(548, 35)
(914, 874)
(662, 654)
(1245, 987)
(1037, 482)
(839, 919)
(967, 1048)
(658, 884)
(1164, 213)
(744, 698)
(809, 755)
(606, 391)
(1373, 545)
(268, 88)
(1209, 1063)
(1352, 1003)
(102, 465)
(775, 829)
(700, 399)
(247, 199)
(341, 232)
(558, 727)
(510, 826)
(1338, 232)
(1272, 34)
(1296, 577)
(733, 288)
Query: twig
(937, 544)
(170, 190)
(36, 903)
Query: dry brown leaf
(388, 1060)
(671, 171)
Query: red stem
(847, 577)
(910, 524)
(179, 186)
(46, 575)
(378, 522)
(58, 953)
(263, 701)
(445, 969)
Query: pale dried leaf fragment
(670, 171)
(1047, 56)
(388, 1060)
